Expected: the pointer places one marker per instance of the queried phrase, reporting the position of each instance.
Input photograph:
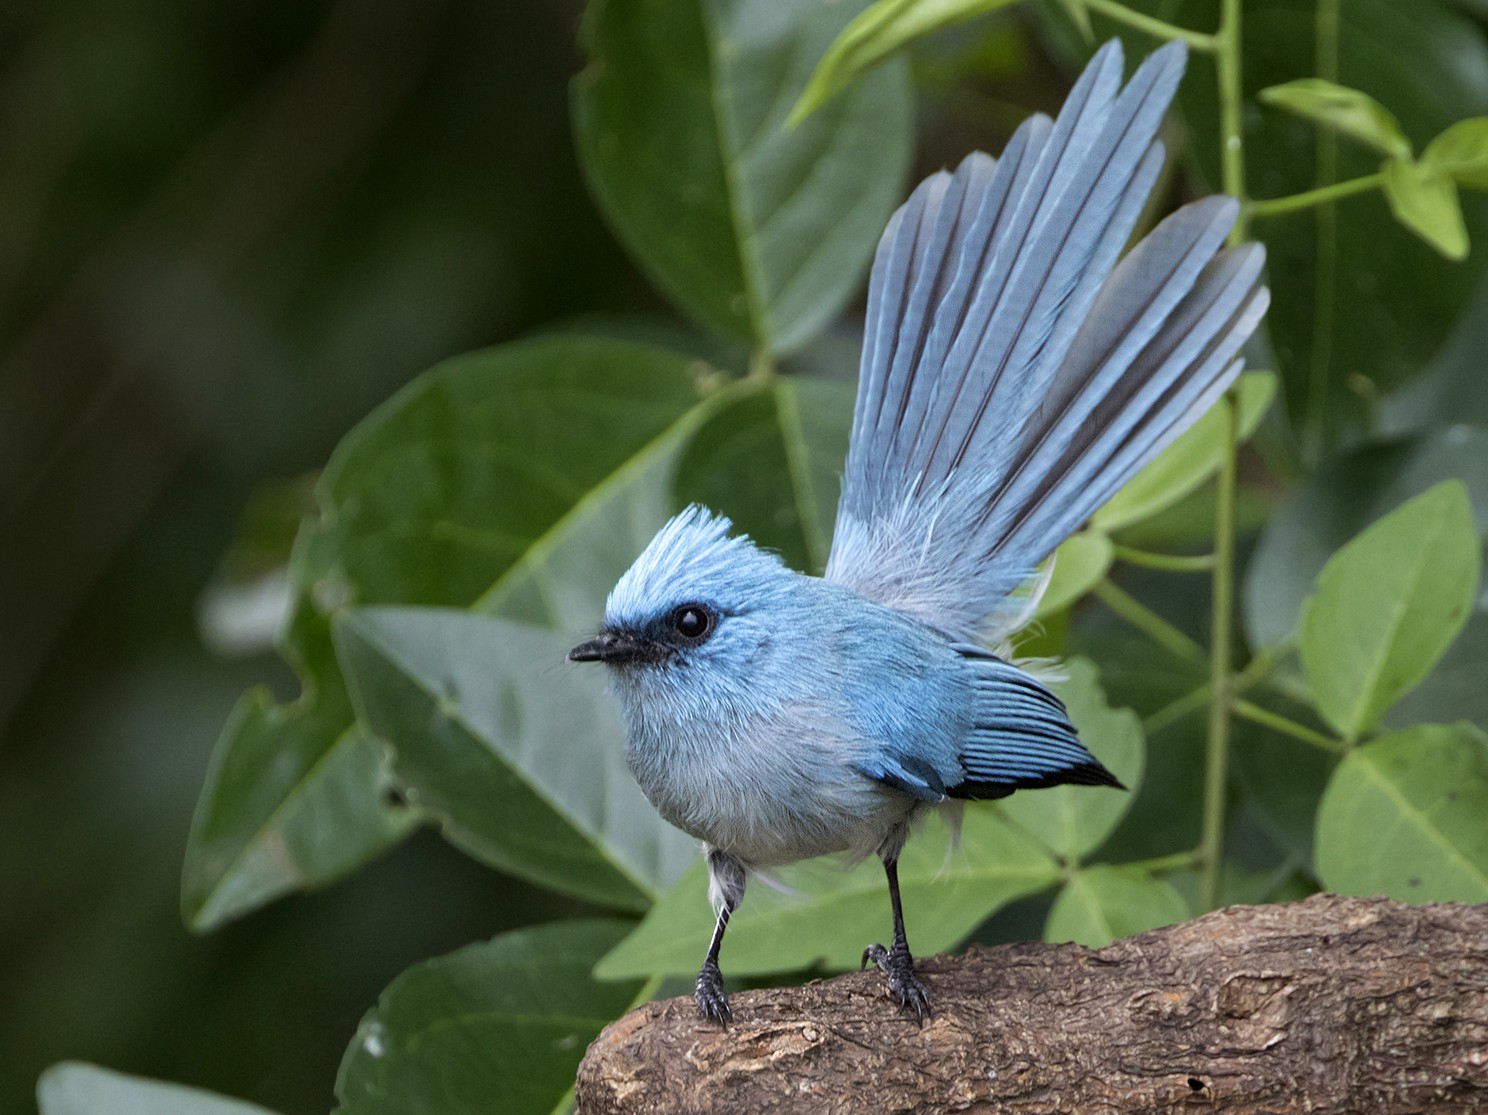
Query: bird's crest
(693, 557)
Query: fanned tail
(1014, 375)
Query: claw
(904, 985)
(712, 1003)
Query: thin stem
(1175, 711)
(1148, 622)
(1232, 141)
(1173, 563)
(1157, 28)
(761, 365)
(1285, 724)
(1325, 243)
(1322, 195)
(1161, 865)
(1217, 750)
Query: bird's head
(695, 597)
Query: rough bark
(1333, 1004)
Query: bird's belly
(769, 800)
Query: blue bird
(1014, 376)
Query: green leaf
(1424, 200)
(1080, 563)
(494, 1027)
(517, 754)
(1461, 153)
(758, 231)
(1103, 903)
(74, 1088)
(771, 461)
(1074, 820)
(1404, 816)
(1337, 501)
(1345, 110)
(881, 29)
(1388, 604)
(522, 479)
(1189, 461)
(830, 913)
(1359, 305)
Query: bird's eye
(693, 622)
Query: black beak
(609, 646)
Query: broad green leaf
(1074, 820)
(1404, 816)
(1101, 904)
(1080, 563)
(1281, 778)
(516, 753)
(1388, 604)
(831, 914)
(488, 479)
(771, 462)
(1359, 305)
(758, 231)
(1424, 200)
(1461, 153)
(1336, 502)
(884, 27)
(1345, 110)
(74, 1088)
(496, 1027)
(1189, 461)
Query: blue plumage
(1015, 375)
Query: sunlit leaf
(74, 1088)
(831, 914)
(883, 28)
(758, 231)
(1349, 111)
(1461, 153)
(1074, 820)
(496, 1027)
(1404, 817)
(521, 479)
(1424, 200)
(1080, 563)
(1388, 604)
(1102, 903)
(1189, 461)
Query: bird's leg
(896, 962)
(726, 886)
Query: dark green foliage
(464, 534)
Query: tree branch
(1333, 1004)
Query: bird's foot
(712, 1003)
(904, 985)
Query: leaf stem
(1322, 195)
(1158, 28)
(1175, 711)
(1286, 725)
(761, 365)
(1174, 563)
(1147, 621)
(1160, 865)
(1221, 685)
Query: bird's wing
(1014, 375)
(1022, 738)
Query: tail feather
(1015, 375)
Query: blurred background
(227, 232)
